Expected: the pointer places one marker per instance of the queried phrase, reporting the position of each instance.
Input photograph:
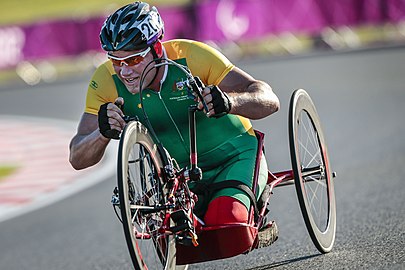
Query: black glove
(220, 101)
(104, 126)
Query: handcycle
(155, 205)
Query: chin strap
(156, 58)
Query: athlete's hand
(218, 102)
(110, 121)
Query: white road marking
(39, 147)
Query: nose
(126, 70)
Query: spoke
(307, 128)
(134, 216)
(141, 207)
(313, 196)
(314, 192)
(303, 145)
(306, 150)
(310, 132)
(314, 200)
(317, 180)
(311, 154)
(314, 136)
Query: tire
(312, 174)
(140, 184)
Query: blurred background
(44, 40)
(349, 54)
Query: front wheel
(141, 190)
(312, 174)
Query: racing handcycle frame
(156, 205)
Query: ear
(158, 48)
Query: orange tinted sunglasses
(130, 60)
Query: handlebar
(197, 85)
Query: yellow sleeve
(204, 61)
(101, 88)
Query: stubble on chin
(133, 89)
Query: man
(226, 142)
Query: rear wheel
(312, 174)
(141, 190)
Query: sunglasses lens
(132, 61)
(115, 62)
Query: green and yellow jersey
(226, 146)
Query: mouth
(131, 84)
(130, 80)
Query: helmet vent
(114, 18)
(132, 27)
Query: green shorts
(233, 160)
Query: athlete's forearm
(87, 150)
(258, 101)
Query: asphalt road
(360, 97)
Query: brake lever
(126, 118)
(197, 85)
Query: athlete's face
(129, 66)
